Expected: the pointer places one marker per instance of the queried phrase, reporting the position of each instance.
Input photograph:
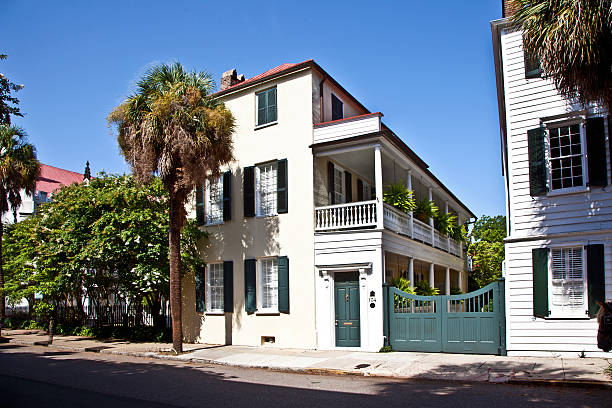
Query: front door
(346, 295)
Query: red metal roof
(52, 178)
(268, 73)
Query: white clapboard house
(556, 163)
(300, 242)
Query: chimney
(230, 78)
(508, 8)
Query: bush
(398, 196)
(402, 284)
(422, 288)
(385, 349)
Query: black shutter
(595, 277)
(272, 113)
(227, 196)
(532, 65)
(596, 152)
(330, 183)
(249, 191)
(261, 108)
(337, 111)
(348, 187)
(250, 285)
(359, 190)
(200, 288)
(282, 203)
(537, 162)
(539, 259)
(228, 286)
(283, 284)
(200, 215)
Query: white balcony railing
(363, 214)
(396, 220)
(422, 231)
(346, 216)
(347, 127)
(440, 241)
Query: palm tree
(173, 128)
(19, 170)
(572, 39)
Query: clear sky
(428, 66)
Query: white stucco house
(556, 163)
(300, 242)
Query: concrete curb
(317, 371)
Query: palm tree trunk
(175, 274)
(1, 279)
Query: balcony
(346, 128)
(362, 214)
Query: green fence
(471, 323)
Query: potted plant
(445, 223)
(398, 196)
(424, 210)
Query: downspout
(321, 110)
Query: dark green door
(346, 297)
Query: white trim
(575, 314)
(208, 203)
(208, 308)
(258, 213)
(259, 292)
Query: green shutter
(200, 215)
(200, 283)
(250, 285)
(227, 196)
(261, 108)
(282, 203)
(537, 162)
(228, 286)
(348, 186)
(283, 284)
(272, 113)
(595, 277)
(249, 191)
(330, 183)
(539, 259)
(596, 152)
(610, 142)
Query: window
(567, 284)
(566, 158)
(367, 191)
(532, 65)
(266, 189)
(337, 108)
(214, 201)
(266, 107)
(268, 285)
(214, 287)
(339, 185)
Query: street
(38, 376)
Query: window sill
(265, 125)
(568, 191)
(268, 313)
(212, 224)
(214, 313)
(266, 215)
(585, 317)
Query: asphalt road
(42, 377)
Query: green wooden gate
(472, 323)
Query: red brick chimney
(230, 78)
(508, 8)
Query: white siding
(576, 219)
(336, 130)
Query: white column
(447, 238)
(460, 242)
(411, 271)
(447, 282)
(459, 283)
(431, 221)
(411, 222)
(431, 276)
(378, 180)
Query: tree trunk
(175, 274)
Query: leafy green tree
(572, 39)
(19, 170)
(172, 127)
(8, 103)
(486, 247)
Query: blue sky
(428, 66)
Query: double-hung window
(266, 186)
(268, 285)
(567, 288)
(266, 107)
(214, 287)
(214, 201)
(339, 196)
(566, 157)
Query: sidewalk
(416, 366)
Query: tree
(486, 247)
(19, 170)
(8, 103)
(572, 39)
(172, 127)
